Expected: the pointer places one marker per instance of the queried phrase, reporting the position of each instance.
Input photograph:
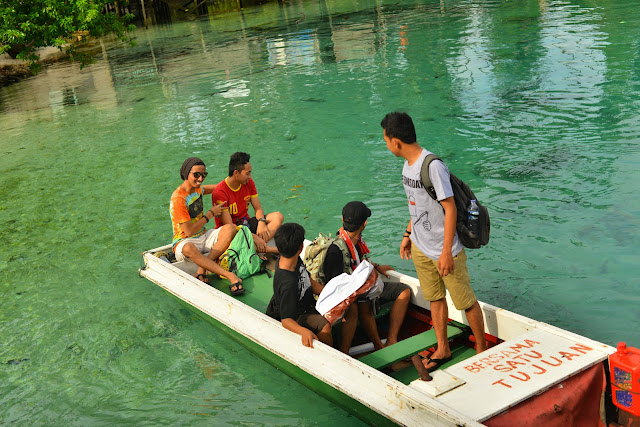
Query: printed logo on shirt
(303, 282)
(424, 217)
(413, 183)
(196, 207)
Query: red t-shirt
(237, 199)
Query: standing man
(190, 237)
(238, 191)
(431, 240)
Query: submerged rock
(15, 361)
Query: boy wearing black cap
(344, 255)
(431, 239)
(190, 237)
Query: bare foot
(481, 345)
(378, 344)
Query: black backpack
(462, 195)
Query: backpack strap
(424, 175)
(244, 234)
(246, 230)
(346, 255)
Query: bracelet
(407, 231)
(406, 235)
(205, 218)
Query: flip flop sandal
(203, 278)
(239, 289)
(264, 269)
(438, 363)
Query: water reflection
(533, 103)
(503, 91)
(177, 55)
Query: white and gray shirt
(427, 215)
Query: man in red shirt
(236, 192)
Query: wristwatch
(263, 220)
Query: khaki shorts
(433, 286)
(204, 243)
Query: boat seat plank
(458, 354)
(384, 309)
(407, 348)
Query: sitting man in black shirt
(349, 249)
(292, 302)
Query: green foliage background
(26, 25)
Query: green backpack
(316, 253)
(241, 256)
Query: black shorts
(392, 290)
(252, 223)
(313, 321)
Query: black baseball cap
(355, 214)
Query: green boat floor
(258, 290)
(409, 374)
(407, 348)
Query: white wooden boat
(530, 360)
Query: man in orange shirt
(191, 240)
(237, 191)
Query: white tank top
(427, 215)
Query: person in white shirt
(431, 240)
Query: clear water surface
(533, 103)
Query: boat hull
(462, 394)
(318, 386)
(373, 390)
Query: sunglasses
(197, 175)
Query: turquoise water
(534, 103)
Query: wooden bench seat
(407, 348)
